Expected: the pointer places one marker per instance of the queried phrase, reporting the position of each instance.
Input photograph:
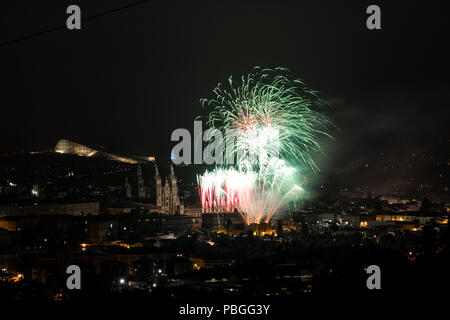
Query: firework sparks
(278, 126)
(255, 196)
(273, 115)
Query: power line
(33, 35)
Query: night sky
(130, 77)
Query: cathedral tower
(174, 188)
(159, 191)
(127, 187)
(167, 196)
(140, 183)
(167, 204)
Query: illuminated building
(65, 146)
(35, 190)
(140, 183)
(167, 197)
(225, 222)
(411, 217)
(261, 229)
(209, 262)
(127, 187)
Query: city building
(127, 188)
(222, 222)
(167, 197)
(140, 183)
(101, 229)
(65, 146)
(69, 208)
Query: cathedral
(167, 197)
(140, 189)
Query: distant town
(136, 225)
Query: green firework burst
(265, 103)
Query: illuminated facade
(167, 197)
(65, 146)
(127, 187)
(140, 183)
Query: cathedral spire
(156, 170)
(140, 182)
(170, 201)
(159, 191)
(172, 172)
(127, 187)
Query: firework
(256, 196)
(278, 124)
(273, 114)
